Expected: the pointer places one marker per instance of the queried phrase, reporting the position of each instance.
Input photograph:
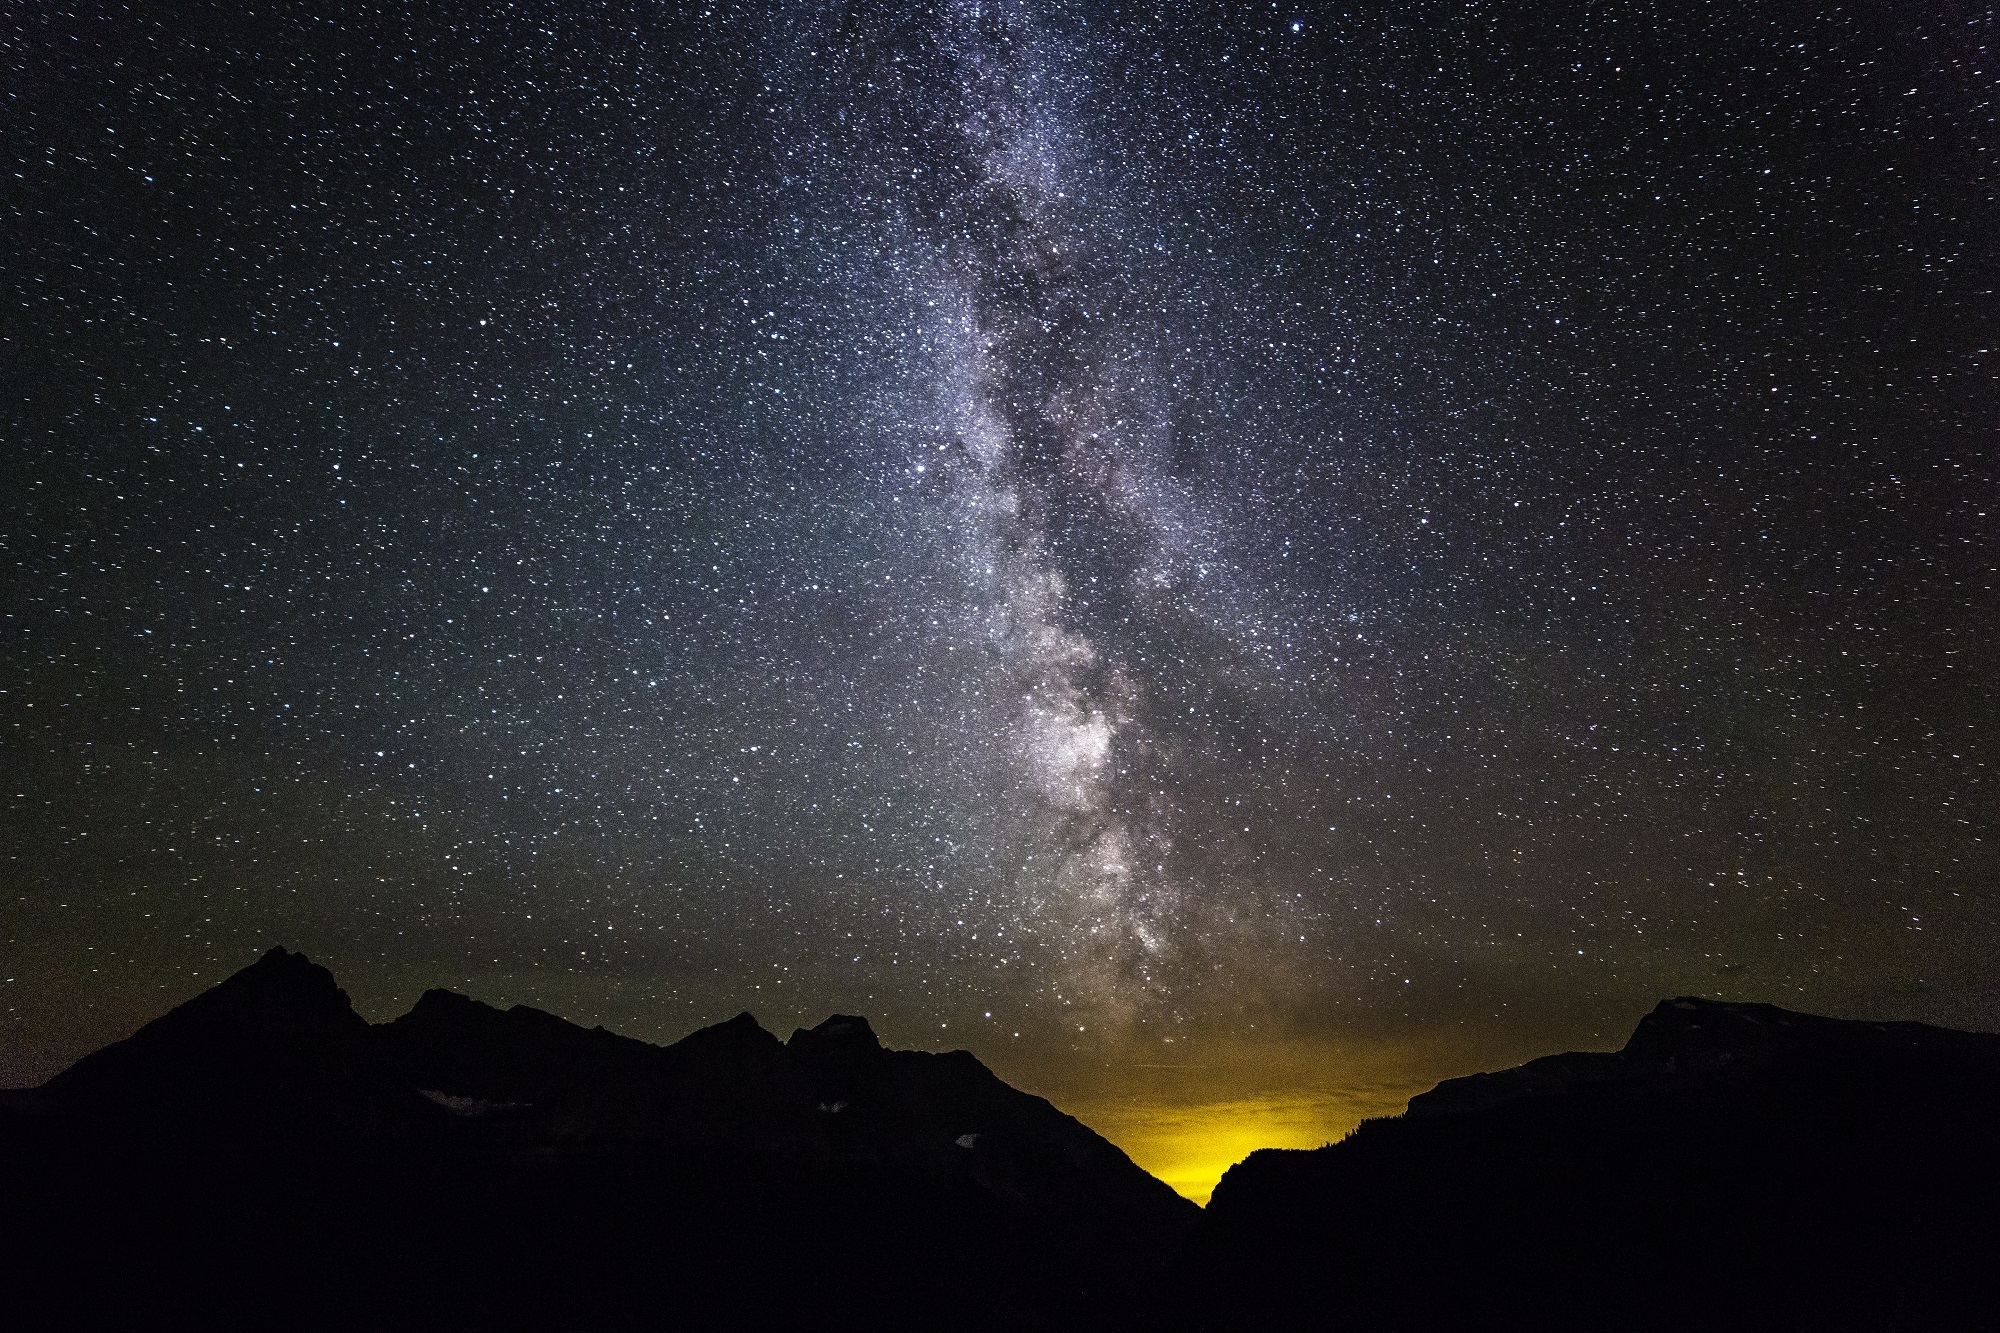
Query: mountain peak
(464, 1047)
(1688, 1029)
(1687, 1042)
(732, 1040)
(742, 1031)
(282, 976)
(840, 1032)
(280, 1021)
(281, 991)
(437, 1001)
(1692, 1012)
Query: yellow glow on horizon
(1189, 1111)
(1189, 1147)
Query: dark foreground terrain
(1735, 1166)
(262, 1157)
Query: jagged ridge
(262, 1146)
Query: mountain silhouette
(1735, 1166)
(261, 1156)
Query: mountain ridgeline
(1735, 1166)
(263, 1157)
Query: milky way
(1056, 460)
(1286, 547)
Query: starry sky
(1233, 559)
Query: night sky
(1234, 560)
